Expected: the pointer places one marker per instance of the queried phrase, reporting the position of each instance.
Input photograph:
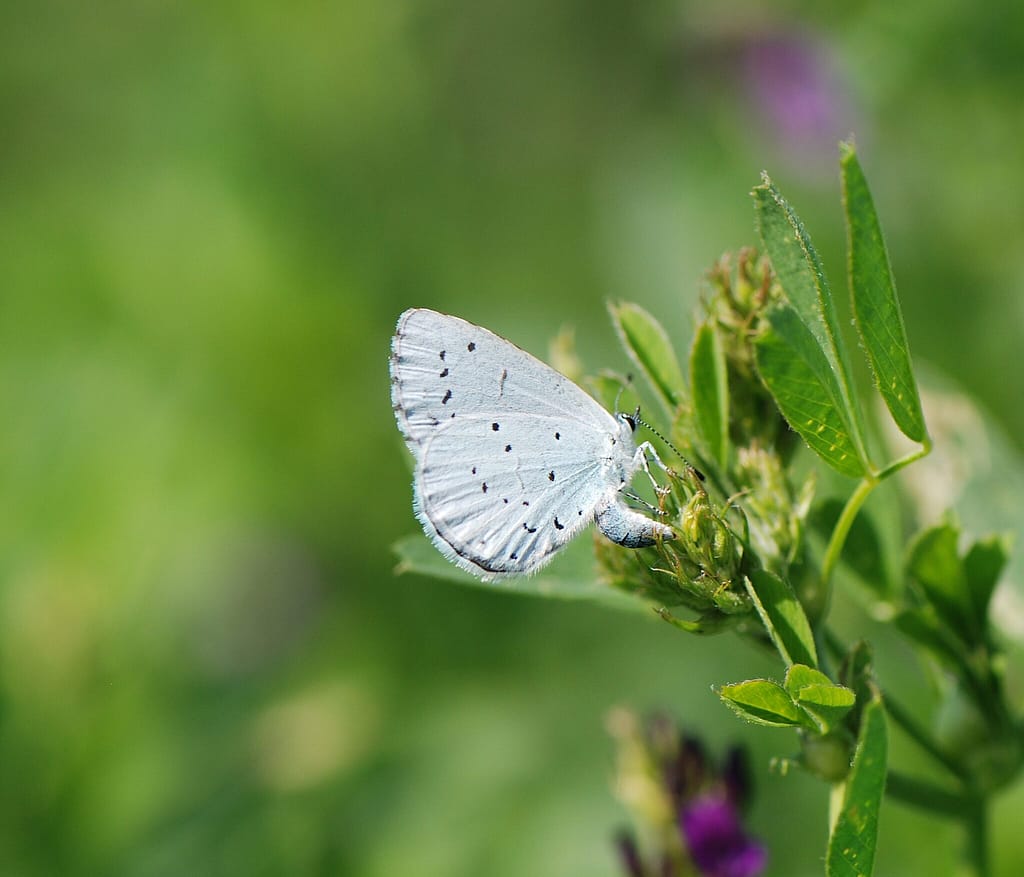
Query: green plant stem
(975, 860)
(839, 534)
(849, 514)
(912, 457)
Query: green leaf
(802, 278)
(826, 702)
(570, 577)
(851, 846)
(800, 676)
(805, 388)
(709, 390)
(983, 565)
(648, 346)
(933, 561)
(764, 702)
(783, 617)
(876, 309)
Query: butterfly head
(630, 420)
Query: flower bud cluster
(739, 297)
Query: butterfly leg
(628, 528)
(641, 461)
(639, 499)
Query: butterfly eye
(631, 419)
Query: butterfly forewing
(443, 368)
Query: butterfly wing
(503, 502)
(444, 368)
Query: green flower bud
(827, 757)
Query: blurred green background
(213, 213)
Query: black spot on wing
(508, 448)
(558, 435)
(444, 374)
(471, 347)
(551, 475)
(447, 396)
(529, 529)
(495, 426)
(442, 354)
(484, 486)
(559, 526)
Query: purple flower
(717, 842)
(794, 81)
(690, 801)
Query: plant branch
(839, 534)
(924, 795)
(975, 859)
(912, 457)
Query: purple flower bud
(717, 842)
(688, 771)
(736, 776)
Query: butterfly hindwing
(504, 501)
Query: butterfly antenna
(622, 389)
(678, 453)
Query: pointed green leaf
(804, 387)
(783, 617)
(876, 309)
(570, 577)
(983, 565)
(851, 846)
(933, 561)
(648, 346)
(826, 702)
(764, 702)
(709, 390)
(802, 277)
